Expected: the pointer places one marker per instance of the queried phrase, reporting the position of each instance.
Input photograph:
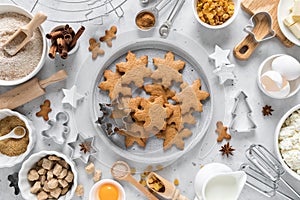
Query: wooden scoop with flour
(23, 35)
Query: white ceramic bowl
(266, 66)
(93, 191)
(7, 161)
(277, 151)
(229, 21)
(282, 12)
(4, 8)
(24, 184)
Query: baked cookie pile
(164, 113)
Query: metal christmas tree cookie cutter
(256, 19)
(233, 126)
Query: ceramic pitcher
(216, 181)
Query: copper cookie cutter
(259, 30)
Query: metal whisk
(265, 173)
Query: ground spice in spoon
(12, 147)
(145, 20)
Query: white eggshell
(287, 66)
(275, 84)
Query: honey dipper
(121, 171)
(169, 191)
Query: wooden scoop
(23, 35)
(29, 91)
(121, 171)
(168, 190)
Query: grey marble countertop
(185, 168)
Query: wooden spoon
(121, 171)
(23, 35)
(168, 192)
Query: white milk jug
(216, 181)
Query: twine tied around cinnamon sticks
(63, 40)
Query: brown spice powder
(145, 20)
(12, 147)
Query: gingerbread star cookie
(190, 97)
(167, 70)
(157, 90)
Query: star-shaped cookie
(225, 73)
(220, 56)
(71, 96)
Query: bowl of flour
(287, 141)
(30, 59)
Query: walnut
(33, 175)
(42, 171)
(42, 195)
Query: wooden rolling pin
(29, 91)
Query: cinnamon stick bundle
(63, 40)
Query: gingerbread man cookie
(222, 131)
(109, 36)
(45, 109)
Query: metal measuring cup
(166, 26)
(146, 18)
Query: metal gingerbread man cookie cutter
(58, 129)
(258, 19)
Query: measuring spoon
(166, 26)
(146, 18)
(12, 133)
(121, 171)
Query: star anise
(267, 110)
(85, 147)
(227, 150)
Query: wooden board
(270, 6)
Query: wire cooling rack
(74, 11)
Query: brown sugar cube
(69, 177)
(62, 174)
(47, 164)
(64, 164)
(42, 195)
(33, 175)
(79, 190)
(64, 190)
(45, 187)
(57, 169)
(49, 175)
(54, 158)
(42, 171)
(55, 192)
(42, 179)
(90, 168)
(63, 183)
(36, 187)
(53, 183)
(97, 175)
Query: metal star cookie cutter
(58, 129)
(241, 106)
(78, 149)
(256, 19)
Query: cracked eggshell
(287, 66)
(275, 84)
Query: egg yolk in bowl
(108, 191)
